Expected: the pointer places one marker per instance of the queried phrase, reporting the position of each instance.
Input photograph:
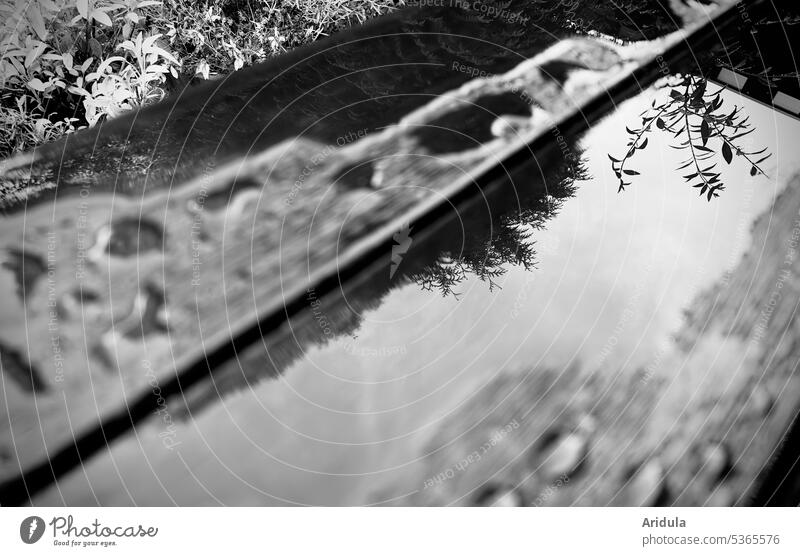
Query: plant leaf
(726, 153)
(699, 91)
(95, 48)
(36, 20)
(34, 53)
(102, 17)
(36, 84)
(705, 131)
(735, 137)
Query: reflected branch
(694, 116)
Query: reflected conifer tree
(510, 238)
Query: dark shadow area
(758, 50)
(362, 79)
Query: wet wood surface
(701, 424)
(171, 281)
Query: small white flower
(276, 40)
(203, 69)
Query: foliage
(21, 127)
(696, 119)
(511, 245)
(487, 252)
(218, 36)
(68, 64)
(65, 64)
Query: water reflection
(481, 239)
(487, 253)
(693, 116)
(381, 392)
(189, 266)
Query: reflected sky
(355, 419)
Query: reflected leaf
(726, 153)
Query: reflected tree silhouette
(508, 241)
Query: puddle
(381, 394)
(219, 249)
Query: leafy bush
(68, 64)
(218, 36)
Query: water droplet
(587, 425)
(716, 461)
(760, 402)
(723, 496)
(564, 455)
(505, 497)
(647, 486)
(508, 126)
